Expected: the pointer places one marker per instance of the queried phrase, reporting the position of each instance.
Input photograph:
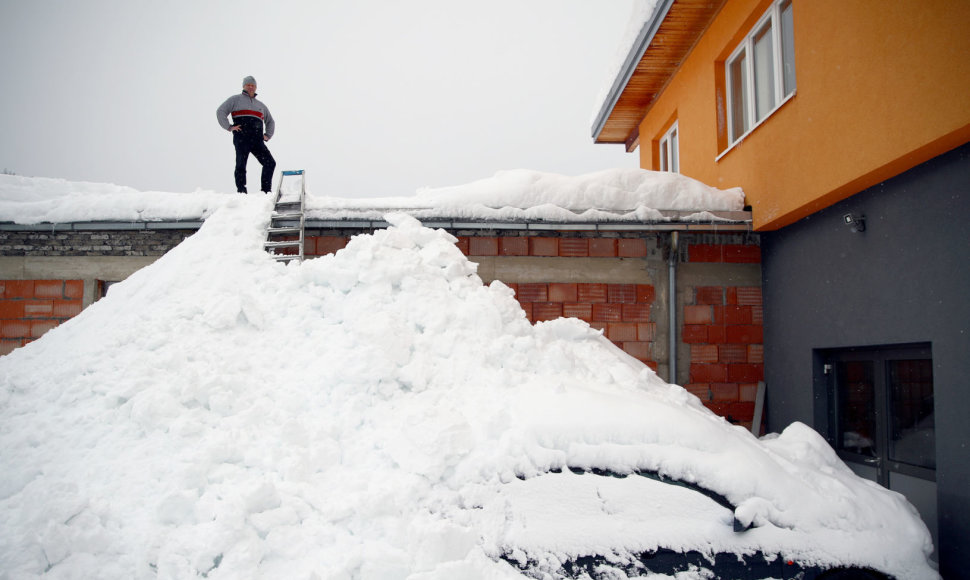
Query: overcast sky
(371, 97)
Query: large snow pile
(615, 194)
(381, 414)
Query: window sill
(741, 139)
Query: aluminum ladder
(285, 233)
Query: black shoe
(242, 191)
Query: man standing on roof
(248, 135)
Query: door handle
(872, 460)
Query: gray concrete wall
(906, 279)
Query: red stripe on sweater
(247, 113)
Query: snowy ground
(381, 414)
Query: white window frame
(670, 150)
(745, 55)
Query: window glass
(912, 437)
(856, 407)
(764, 71)
(787, 48)
(674, 151)
(738, 79)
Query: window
(881, 411)
(760, 74)
(669, 151)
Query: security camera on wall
(857, 223)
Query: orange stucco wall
(882, 87)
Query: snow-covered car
(381, 414)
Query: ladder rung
(290, 215)
(284, 230)
(287, 244)
(286, 257)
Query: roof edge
(643, 40)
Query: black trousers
(245, 144)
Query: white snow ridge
(381, 414)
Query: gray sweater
(245, 109)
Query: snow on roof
(611, 195)
(381, 413)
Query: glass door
(881, 419)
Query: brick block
(563, 292)
(621, 331)
(756, 353)
(703, 353)
(66, 308)
(600, 326)
(745, 334)
(74, 289)
(532, 292)
(14, 329)
(462, 245)
(592, 293)
(705, 253)
(574, 247)
(39, 327)
(757, 314)
(47, 289)
(11, 309)
(748, 392)
(513, 246)
(716, 334)
(725, 391)
(647, 331)
(713, 295)
(698, 314)
(749, 295)
(631, 248)
(578, 310)
(546, 311)
(735, 412)
(527, 308)
(732, 353)
(607, 313)
(9, 345)
(645, 293)
(700, 390)
(708, 373)
(694, 333)
(331, 244)
(738, 254)
(639, 350)
(621, 293)
(746, 372)
(38, 308)
(732, 314)
(483, 246)
(602, 248)
(18, 289)
(636, 312)
(543, 246)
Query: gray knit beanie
(249, 81)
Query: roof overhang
(660, 48)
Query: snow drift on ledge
(369, 415)
(628, 194)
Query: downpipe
(672, 307)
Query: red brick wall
(513, 246)
(621, 311)
(29, 308)
(722, 327)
